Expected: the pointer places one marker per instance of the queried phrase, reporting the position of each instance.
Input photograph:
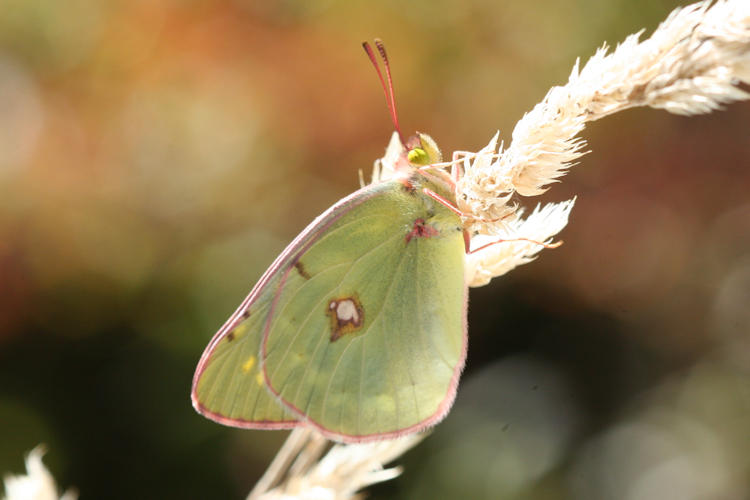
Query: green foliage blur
(155, 156)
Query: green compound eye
(418, 156)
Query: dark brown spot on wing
(346, 314)
(301, 270)
(230, 336)
(246, 313)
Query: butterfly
(358, 328)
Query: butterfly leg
(540, 243)
(453, 208)
(458, 156)
(450, 206)
(440, 177)
(444, 201)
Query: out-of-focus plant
(36, 484)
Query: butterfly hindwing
(369, 340)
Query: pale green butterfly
(358, 328)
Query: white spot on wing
(346, 311)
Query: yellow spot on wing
(259, 378)
(248, 365)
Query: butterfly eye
(418, 156)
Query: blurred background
(155, 156)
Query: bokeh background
(155, 156)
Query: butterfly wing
(365, 337)
(358, 328)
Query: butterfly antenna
(384, 56)
(387, 88)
